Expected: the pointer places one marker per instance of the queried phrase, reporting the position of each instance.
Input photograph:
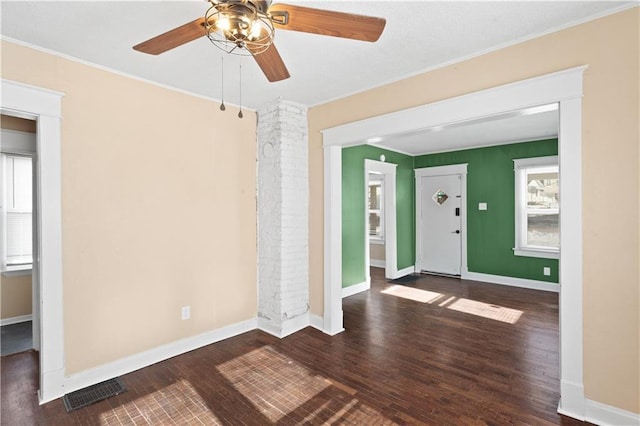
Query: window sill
(17, 271)
(545, 254)
(377, 241)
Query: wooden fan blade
(173, 38)
(329, 23)
(271, 64)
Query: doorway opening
(19, 236)
(562, 87)
(380, 245)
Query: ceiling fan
(248, 26)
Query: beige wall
(158, 209)
(376, 251)
(15, 296)
(611, 157)
(18, 124)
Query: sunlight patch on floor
(277, 386)
(467, 306)
(272, 382)
(486, 310)
(411, 293)
(178, 403)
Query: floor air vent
(92, 394)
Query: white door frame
(451, 170)
(45, 107)
(388, 170)
(562, 87)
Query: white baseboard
(602, 414)
(287, 327)
(143, 359)
(510, 281)
(404, 272)
(378, 263)
(16, 320)
(356, 288)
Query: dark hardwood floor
(435, 351)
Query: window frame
(376, 239)
(521, 166)
(17, 144)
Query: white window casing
(522, 168)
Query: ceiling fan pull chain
(240, 112)
(222, 107)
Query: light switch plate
(482, 206)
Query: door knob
(457, 231)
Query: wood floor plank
(438, 351)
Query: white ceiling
(517, 126)
(419, 35)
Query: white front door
(439, 224)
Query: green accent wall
(353, 209)
(490, 233)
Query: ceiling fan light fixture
(239, 27)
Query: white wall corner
(572, 401)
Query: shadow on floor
(16, 338)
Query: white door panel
(440, 230)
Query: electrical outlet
(546, 270)
(186, 312)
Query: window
(376, 214)
(17, 200)
(537, 210)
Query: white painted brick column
(283, 218)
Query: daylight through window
(17, 212)
(537, 186)
(375, 201)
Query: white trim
(15, 142)
(377, 263)
(332, 316)
(16, 320)
(285, 327)
(389, 217)
(45, 106)
(543, 254)
(564, 87)
(356, 288)
(17, 271)
(406, 271)
(606, 415)
(521, 166)
(152, 356)
(537, 91)
(511, 281)
(376, 241)
(453, 169)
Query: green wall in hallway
(491, 233)
(353, 208)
